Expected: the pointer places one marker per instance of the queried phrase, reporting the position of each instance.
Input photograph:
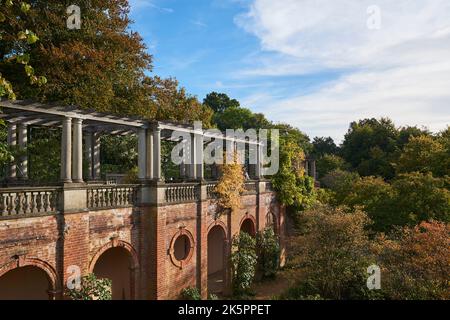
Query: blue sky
(315, 64)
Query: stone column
(193, 158)
(313, 169)
(307, 167)
(96, 156)
(258, 166)
(198, 143)
(89, 154)
(77, 153)
(23, 161)
(142, 153)
(12, 141)
(157, 154)
(149, 158)
(66, 150)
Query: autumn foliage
(231, 185)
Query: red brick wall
(59, 241)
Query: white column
(66, 150)
(96, 156)
(88, 152)
(77, 153)
(23, 161)
(149, 160)
(142, 153)
(193, 158)
(198, 141)
(157, 154)
(12, 141)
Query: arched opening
(216, 260)
(248, 226)
(116, 264)
(25, 283)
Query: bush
(191, 293)
(243, 261)
(333, 254)
(91, 288)
(415, 263)
(268, 250)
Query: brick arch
(222, 225)
(250, 217)
(115, 243)
(23, 261)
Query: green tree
(422, 197)
(424, 154)
(219, 102)
(333, 252)
(324, 145)
(328, 163)
(370, 146)
(16, 39)
(243, 262)
(268, 251)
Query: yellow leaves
(231, 185)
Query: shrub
(268, 251)
(333, 254)
(243, 261)
(91, 288)
(415, 263)
(191, 293)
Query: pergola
(88, 125)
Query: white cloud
(141, 4)
(401, 71)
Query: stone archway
(248, 225)
(118, 262)
(27, 279)
(217, 259)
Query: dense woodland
(385, 190)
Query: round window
(182, 247)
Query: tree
(268, 251)
(328, 163)
(333, 252)
(421, 197)
(378, 199)
(370, 146)
(324, 145)
(235, 118)
(424, 154)
(294, 189)
(16, 41)
(243, 262)
(415, 262)
(219, 102)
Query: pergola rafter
(80, 124)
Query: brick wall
(56, 242)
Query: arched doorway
(25, 283)
(116, 264)
(248, 226)
(216, 260)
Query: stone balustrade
(250, 187)
(28, 201)
(181, 192)
(211, 190)
(111, 196)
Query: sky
(315, 64)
